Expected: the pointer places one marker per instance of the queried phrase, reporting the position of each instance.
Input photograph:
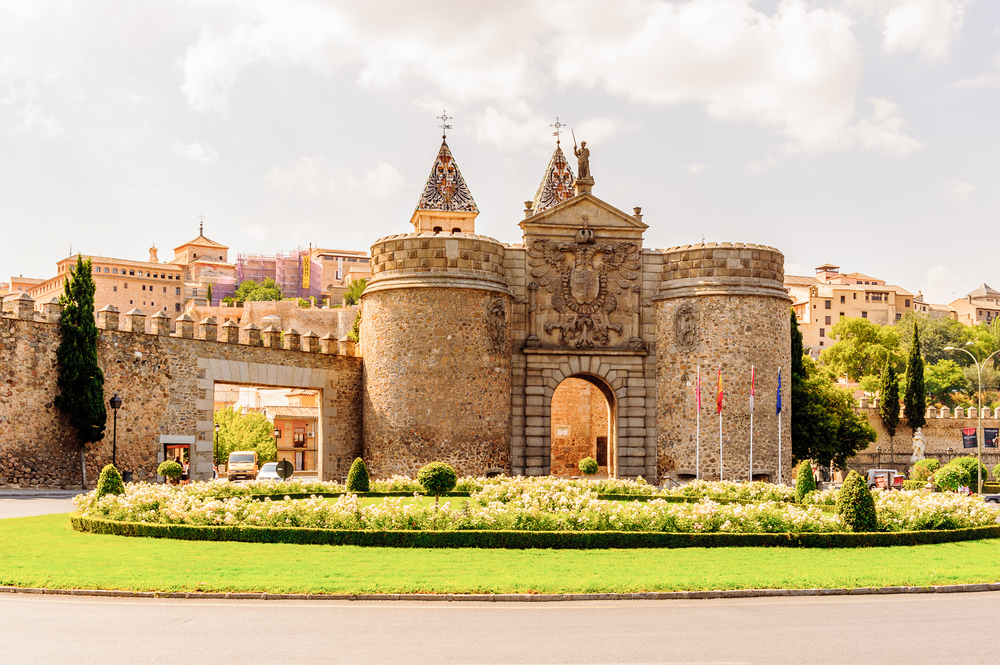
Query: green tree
(208, 295)
(862, 348)
(855, 504)
(796, 347)
(246, 431)
(915, 397)
(437, 478)
(888, 403)
(358, 479)
(354, 334)
(935, 334)
(80, 380)
(251, 291)
(805, 481)
(942, 379)
(353, 295)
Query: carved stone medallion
(686, 328)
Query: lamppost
(948, 450)
(277, 435)
(217, 443)
(979, 411)
(878, 451)
(115, 403)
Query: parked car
(991, 498)
(886, 478)
(242, 465)
(269, 472)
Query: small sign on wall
(562, 431)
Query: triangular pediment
(570, 215)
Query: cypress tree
(81, 381)
(888, 401)
(797, 369)
(915, 398)
(805, 482)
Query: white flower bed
(531, 504)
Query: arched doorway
(583, 424)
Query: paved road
(28, 506)
(929, 628)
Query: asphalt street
(29, 506)
(928, 628)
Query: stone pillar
(250, 335)
(959, 412)
(22, 306)
(184, 327)
(328, 344)
(310, 342)
(208, 329)
(271, 337)
(292, 340)
(931, 413)
(229, 332)
(160, 323)
(52, 310)
(945, 412)
(135, 321)
(986, 412)
(532, 339)
(345, 346)
(107, 318)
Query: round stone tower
(435, 335)
(723, 307)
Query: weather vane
(201, 225)
(558, 125)
(444, 118)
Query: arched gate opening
(584, 424)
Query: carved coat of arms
(584, 278)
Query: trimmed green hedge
(524, 539)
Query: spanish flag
(718, 398)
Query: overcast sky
(858, 132)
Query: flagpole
(718, 398)
(779, 425)
(697, 429)
(751, 422)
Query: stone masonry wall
(582, 410)
(167, 387)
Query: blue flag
(777, 404)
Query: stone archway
(582, 414)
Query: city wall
(167, 384)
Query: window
(195, 256)
(194, 293)
(899, 316)
(906, 302)
(822, 332)
(602, 451)
(153, 304)
(130, 302)
(859, 281)
(827, 320)
(96, 269)
(114, 271)
(178, 291)
(841, 315)
(177, 307)
(843, 299)
(115, 288)
(170, 276)
(827, 304)
(155, 275)
(821, 342)
(131, 272)
(105, 270)
(864, 315)
(143, 287)
(164, 289)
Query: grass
(46, 552)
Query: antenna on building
(444, 118)
(71, 249)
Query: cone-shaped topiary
(589, 466)
(170, 469)
(437, 478)
(110, 482)
(855, 504)
(357, 477)
(804, 482)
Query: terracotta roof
(298, 412)
(557, 183)
(795, 280)
(445, 188)
(202, 241)
(112, 262)
(984, 291)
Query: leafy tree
(888, 402)
(855, 504)
(942, 380)
(973, 471)
(357, 478)
(208, 295)
(915, 397)
(110, 482)
(437, 478)
(354, 334)
(935, 334)
(245, 431)
(251, 291)
(353, 295)
(924, 469)
(170, 469)
(805, 482)
(80, 381)
(862, 348)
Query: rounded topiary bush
(969, 464)
(170, 469)
(437, 478)
(589, 466)
(950, 477)
(357, 478)
(110, 482)
(855, 504)
(924, 469)
(804, 481)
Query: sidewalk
(39, 494)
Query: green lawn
(46, 552)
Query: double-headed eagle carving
(584, 278)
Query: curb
(519, 597)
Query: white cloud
(990, 79)
(306, 174)
(958, 190)
(311, 175)
(796, 70)
(793, 268)
(925, 26)
(884, 131)
(943, 285)
(695, 168)
(33, 119)
(199, 152)
(760, 166)
(256, 232)
(381, 182)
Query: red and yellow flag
(718, 398)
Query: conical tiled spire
(446, 190)
(557, 184)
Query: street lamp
(115, 403)
(979, 411)
(216, 443)
(878, 451)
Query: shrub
(170, 469)
(357, 477)
(437, 478)
(951, 477)
(996, 472)
(855, 504)
(110, 482)
(924, 469)
(588, 466)
(969, 464)
(914, 484)
(804, 482)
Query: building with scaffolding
(296, 273)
